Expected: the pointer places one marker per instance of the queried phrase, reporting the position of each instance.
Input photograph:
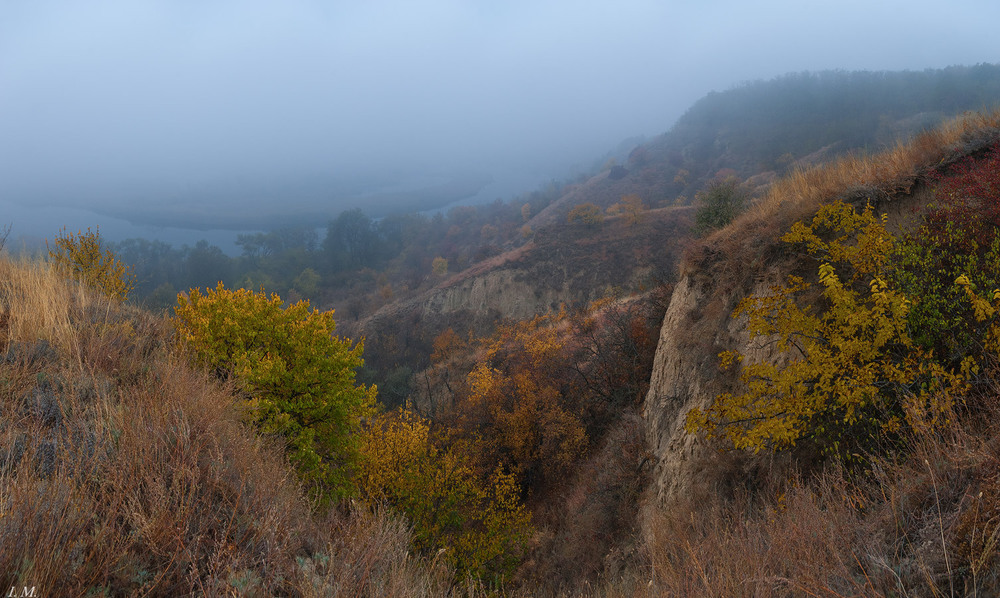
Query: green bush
(298, 378)
(719, 203)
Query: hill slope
(125, 472)
(812, 525)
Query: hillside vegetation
(592, 392)
(228, 451)
(373, 271)
(127, 472)
(856, 400)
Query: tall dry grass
(37, 303)
(926, 525)
(752, 238)
(125, 472)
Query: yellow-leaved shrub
(480, 525)
(852, 368)
(80, 256)
(298, 378)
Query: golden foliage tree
(439, 266)
(851, 364)
(587, 214)
(480, 525)
(633, 209)
(80, 256)
(297, 376)
(519, 404)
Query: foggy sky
(106, 101)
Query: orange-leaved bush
(297, 376)
(521, 401)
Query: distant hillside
(568, 265)
(516, 259)
(765, 128)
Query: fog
(223, 114)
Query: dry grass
(589, 533)
(926, 525)
(752, 239)
(37, 304)
(125, 472)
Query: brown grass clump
(752, 238)
(43, 303)
(125, 472)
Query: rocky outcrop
(503, 291)
(674, 386)
(686, 374)
(698, 325)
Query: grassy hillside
(909, 510)
(770, 125)
(126, 472)
(761, 130)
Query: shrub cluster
(81, 256)
(298, 379)
(904, 326)
(719, 203)
(479, 524)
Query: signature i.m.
(24, 592)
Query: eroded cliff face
(567, 265)
(515, 295)
(499, 291)
(686, 374)
(698, 325)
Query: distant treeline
(766, 125)
(356, 256)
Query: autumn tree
(631, 207)
(439, 266)
(296, 376)
(521, 403)
(80, 256)
(477, 522)
(444, 380)
(587, 214)
(853, 370)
